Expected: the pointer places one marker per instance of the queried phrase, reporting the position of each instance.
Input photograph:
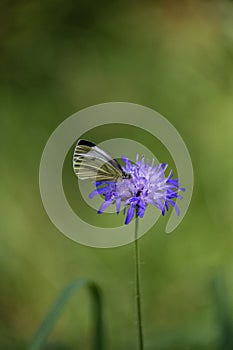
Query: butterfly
(92, 163)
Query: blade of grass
(223, 315)
(56, 309)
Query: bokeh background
(57, 57)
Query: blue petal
(130, 214)
(173, 182)
(93, 194)
(141, 212)
(164, 166)
(179, 196)
(161, 206)
(108, 196)
(98, 191)
(118, 205)
(99, 183)
(127, 163)
(175, 206)
(104, 206)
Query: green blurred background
(57, 57)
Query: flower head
(145, 184)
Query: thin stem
(138, 288)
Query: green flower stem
(138, 288)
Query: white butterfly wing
(92, 163)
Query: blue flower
(146, 184)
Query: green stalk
(138, 287)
